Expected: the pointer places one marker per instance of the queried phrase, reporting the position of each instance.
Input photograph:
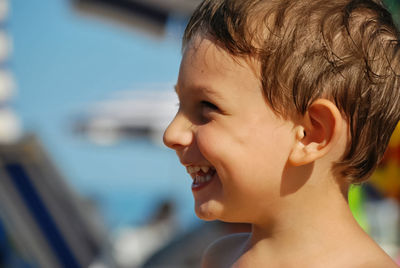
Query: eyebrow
(207, 90)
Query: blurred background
(86, 90)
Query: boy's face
(225, 126)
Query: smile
(201, 175)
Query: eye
(207, 110)
(209, 105)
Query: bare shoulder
(389, 263)
(381, 260)
(372, 257)
(224, 251)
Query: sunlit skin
(240, 124)
(270, 171)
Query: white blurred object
(7, 86)
(5, 46)
(4, 9)
(10, 126)
(383, 216)
(102, 131)
(129, 114)
(132, 247)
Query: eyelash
(207, 104)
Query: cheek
(220, 148)
(254, 154)
(212, 143)
(264, 157)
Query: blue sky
(62, 59)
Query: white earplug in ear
(301, 133)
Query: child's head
(346, 51)
(281, 95)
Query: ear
(317, 133)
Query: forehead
(203, 50)
(203, 60)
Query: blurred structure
(9, 122)
(128, 114)
(133, 246)
(386, 178)
(383, 198)
(149, 15)
(187, 249)
(45, 222)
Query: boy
(283, 105)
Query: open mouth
(201, 176)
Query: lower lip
(200, 186)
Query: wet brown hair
(343, 50)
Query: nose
(179, 133)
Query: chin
(206, 212)
(205, 216)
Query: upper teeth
(195, 169)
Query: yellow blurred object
(386, 178)
(395, 139)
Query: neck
(313, 221)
